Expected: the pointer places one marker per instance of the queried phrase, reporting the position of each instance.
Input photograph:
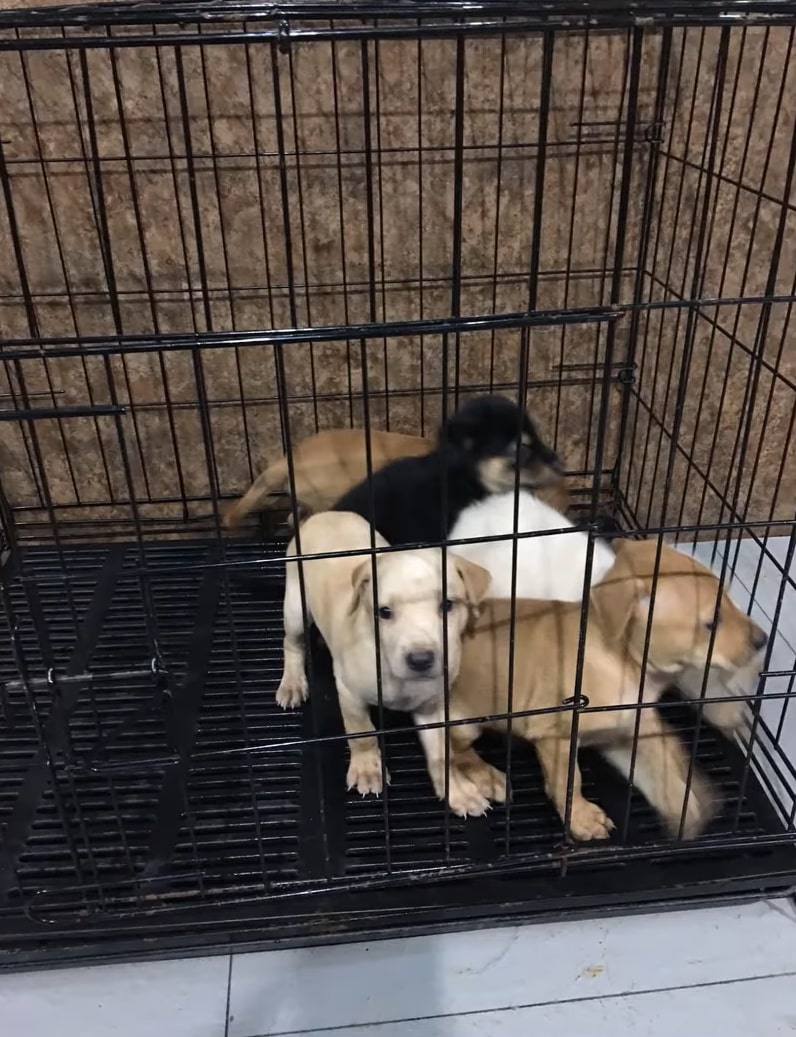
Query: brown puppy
(546, 637)
(325, 466)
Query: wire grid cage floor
(157, 811)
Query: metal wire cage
(229, 225)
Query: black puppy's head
(500, 439)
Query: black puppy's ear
(453, 431)
(459, 430)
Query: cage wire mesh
(228, 226)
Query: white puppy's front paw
(464, 796)
(292, 691)
(364, 773)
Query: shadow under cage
(229, 226)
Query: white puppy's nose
(420, 662)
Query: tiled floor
(729, 970)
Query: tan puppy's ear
(476, 579)
(361, 576)
(617, 597)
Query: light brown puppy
(411, 614)
(546, 637)
(325, 466)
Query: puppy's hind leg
(293, 688)
(364, 769)
(661, 774)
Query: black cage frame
(153, 800)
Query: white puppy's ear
(361, 576)
(475, 578)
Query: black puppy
(480, 451)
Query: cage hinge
(653, 132)
(283, 40)
(581, 703)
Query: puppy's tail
(272, 479)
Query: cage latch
(575, 702)
(283, 37)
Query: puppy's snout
(520, 456)
(420, 662)
(759, 639)
(537, 456)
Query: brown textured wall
(716, 384)
(106, 209)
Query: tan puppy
(546, 637)
(325, 466)
(328, 464)
(411, 615)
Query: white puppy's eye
(447, 605)
(711, 624)
(385, 612)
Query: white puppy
(550, 567)
(410, 616)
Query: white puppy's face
(412, 616)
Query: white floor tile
(758, 581)
(763, 578)
(778, 546)
(285, 991)
(765, 1006)
(186, 998)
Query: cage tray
(160, 833)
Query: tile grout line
(229, 997)
(512, 1008)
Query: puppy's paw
(728, 716)
(465, 798)
(588, 821)
(704, 804)
(364, 773)
(489, 781)
(292, 691)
